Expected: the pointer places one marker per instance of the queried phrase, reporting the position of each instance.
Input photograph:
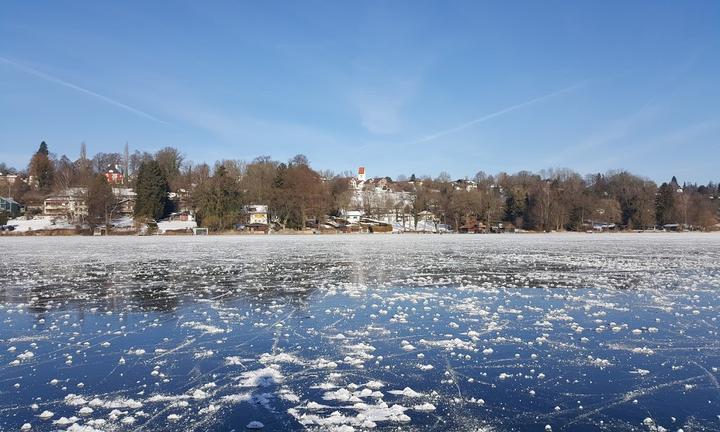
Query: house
(125, 199)
(256, 219)
(114, 174)
(397, 216)
(464, 184)
(426, 216)
(8, 179)
(10, 206)
(256, 214)
(72, 203)
(181, 200)
(352, 216)
(379, 184)
(472, 226)
(72, 207)
(502, 227)
(358, 182)
(601, 225)
(183, 216)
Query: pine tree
(151, 189)
(41, 168)
(664, 203)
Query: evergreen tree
(151, 189)
(664, 203)
(279, 180)
(515, 206)
(41, 168)
(281, 200)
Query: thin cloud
(609, 134)
(103, 98)
(499, 113)
(380, 105)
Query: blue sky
(399, 87)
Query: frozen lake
(572, 332)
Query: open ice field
(467, 333)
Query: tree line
(298, 195)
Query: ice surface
(387, 332)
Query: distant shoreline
(64, 233)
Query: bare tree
(171, 161)
(65, 173)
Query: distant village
(162, 193)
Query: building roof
(114, 169)
(126, 192)
(256, 208)
(9, 200)
(64, 198)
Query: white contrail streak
(55, 80)
(498, 113)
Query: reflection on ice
(566, 332)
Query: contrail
(55, 80)
(498, 113)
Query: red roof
(361, 170)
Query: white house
(352, 216)
(69, 206)
(257, 214)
